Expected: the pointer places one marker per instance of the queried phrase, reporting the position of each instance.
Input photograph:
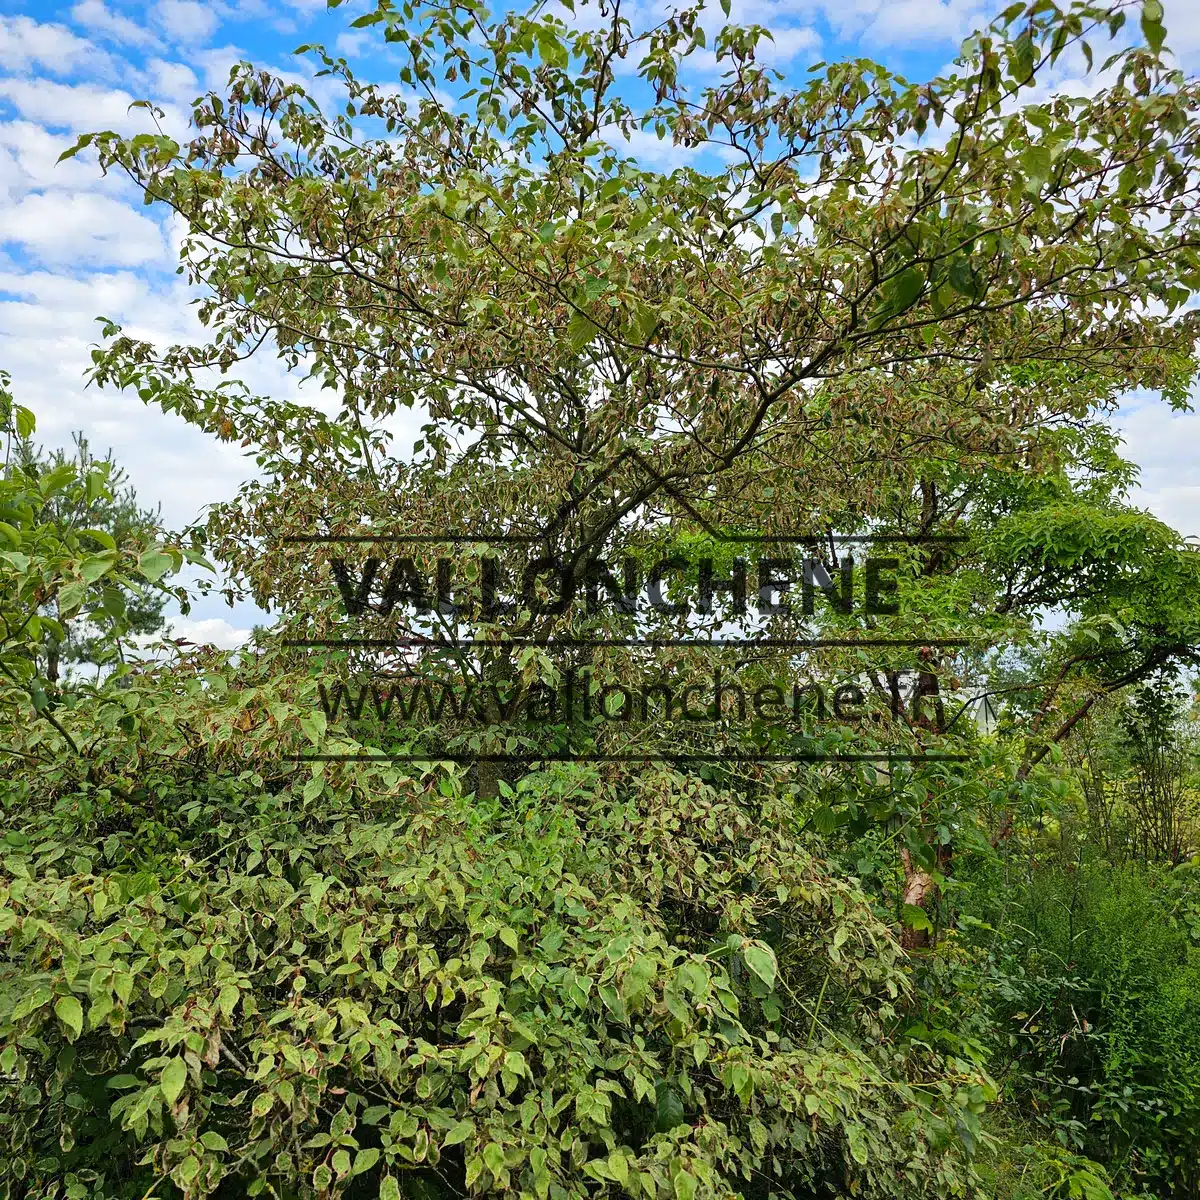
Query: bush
(356, 981)
(1094, 978)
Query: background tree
(113, 510)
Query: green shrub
(1094, 979)
(361, 982)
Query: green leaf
(105, 539)
(685, 1186)
(1035, 165)
(858, 1144)
(364, 1160)
(154, 564)
(761, 960)
(1152, 30)
(580, 330)
(70, 1012)
(213, 1141)
(668, 1108)
(905, 288)
(97, 565)
(915, 918)
(71, 597)
(174, 1076)
(389, 1189)
(459, 1133)
(26, 422)
(351, 940)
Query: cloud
(186, 21)
(98, 17)
(26, 44)
(209, 631)
(172, 81)
(81, 229)
(66, 105)
(1163, 444)
(29, 162)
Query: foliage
(1092, 979)
(53, 571)
(114, 511)
(341, 978)
(251, 946)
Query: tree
(53, 571)
(889, 291)
(893, 313)
(112, 510)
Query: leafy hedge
(372, 983)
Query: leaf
(213, 1141)
(71, 597)
(643, 324)
(97, 565)
(1152, 30)
(70, 1012)
(1035, 164)
(493, 1157)
(351, 940)
(685, 1186)
(905, 288)
(154, 564)
(580, 330)
(761, 960)
(389, 1189)
(824, 819)
(105, 539)
(174, 1076)
(668, 1108)
(915, 918)
(314, 725)
(26, 422)
(858, 1144)
(459, 1133)
(364, 1160)
(961, 278)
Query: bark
(919, 890)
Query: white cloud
(29, 162)
(81, 229)
(1163, 443)
(1182, 21)
(97, 16)
(172, 81)
(84, 107)
(26, 44)
(66, 105)
(186, 21)
(209, 631)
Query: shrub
(315, 985)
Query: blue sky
(75, 245)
